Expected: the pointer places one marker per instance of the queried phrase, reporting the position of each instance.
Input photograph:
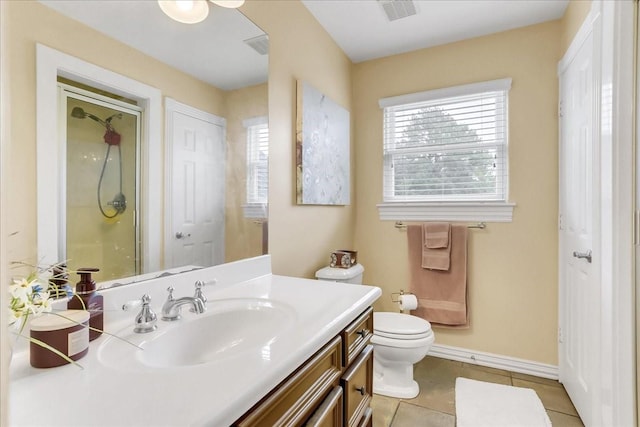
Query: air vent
(260, 44)
(398, 9)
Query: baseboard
(507, 363)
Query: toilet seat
(425, 341)
(400, 326)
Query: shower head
(79, 113)
(111, 137)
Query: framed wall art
(322, 149)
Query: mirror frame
(50, 156)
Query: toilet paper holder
(397, 295)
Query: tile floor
(435, 405)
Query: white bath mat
(482, 404)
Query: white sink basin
(227, 329)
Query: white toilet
(399, 341)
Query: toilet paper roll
(408, 302)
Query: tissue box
(343, 258)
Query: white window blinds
(257, 161)
(447, 145)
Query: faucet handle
(170, 296)
(199, 294)
(146, 319)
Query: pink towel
(436, 234)
(436, 250)
(442, 295)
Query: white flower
(20, 289)
(29, 296)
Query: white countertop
(106, 393)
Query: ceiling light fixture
(231, 4)
(185, 11)
(193, 11)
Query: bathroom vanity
(269, 350)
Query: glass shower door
(102, 151)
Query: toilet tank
(345, 275)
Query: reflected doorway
(101, 175)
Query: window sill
(255, 210)
(447, 211)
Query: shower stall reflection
(101, 188)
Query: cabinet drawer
(357, 382)
(329, 414)
(291, 403)
(356, 336)
(367, 419)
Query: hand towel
(436, 234)
(436, 250)
(442, 295)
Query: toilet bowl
(399, 341)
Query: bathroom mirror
(228, 54)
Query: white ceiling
(361, 28)
(212, 50)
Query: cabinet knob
(362, 390)
(363, 333)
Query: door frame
(50, 64)
(172, 106)
(615, 37)
(617, 186)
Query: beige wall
(300, 237)
(574, 16)
(512, 266)
(244, 235)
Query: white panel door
(579, 333)
(197, 192)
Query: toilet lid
(399, 325)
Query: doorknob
(585, 255)
(180, 235)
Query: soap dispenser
(86, 298)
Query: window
(445, 154)
(257, 167)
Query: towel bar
(481, 225)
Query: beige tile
(553, 398)
(411, 415)
(535, 379)
(436, 378)
(479, 373)
(435, 368)
(563, 420)
(486, 369)
(384, 408)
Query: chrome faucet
(146, 319)
(171, 307)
